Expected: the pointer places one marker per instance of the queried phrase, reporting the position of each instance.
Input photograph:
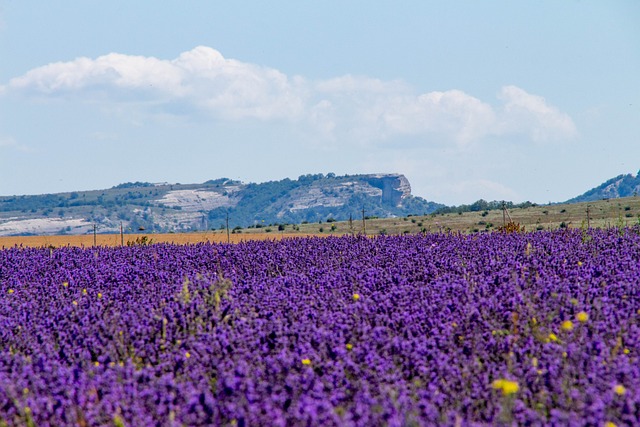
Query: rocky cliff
(177, 207)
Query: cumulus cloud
(113, 71)
(530, 114)
(357, 107)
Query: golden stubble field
(601, 214)
(87, 240)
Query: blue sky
(528, 100)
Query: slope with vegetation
(620, 186)
(142, 206)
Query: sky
(499, 100)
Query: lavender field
(485, 329)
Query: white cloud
(112, 71)
(453, 113)
(530, 114)
(353, 108)
(9, 143)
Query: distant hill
(192, 207)
(620, 186)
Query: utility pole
(364, 224)
(351, 224)
(505, 214)
(121, 235)
(228, 236)
(588, 219)
(95, 226)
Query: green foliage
(185, 294)
(136, 184)
(140, 241)
(118, 421)
(483, 205)
(626, 185)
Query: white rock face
(197, 200)
(360, 187)
(330, 196)
(42, 226)
(404, 186)
(180, 221)
(400, 183)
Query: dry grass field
(602, 214)
(87, 240)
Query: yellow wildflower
(75, 303)
(626, 351)
(11, 291)
(306, 362)
(579, 263)
(553, 337)
(567, 325)
(187, 355)
(534, 362)
(356, 297)
(65, 284)
(96, 363)
(582, 317)
(349, 346)
(506, 386)
(619, 389)
(99, 295)
(84, 292)
(610, 424)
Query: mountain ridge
(164, 207)
(623, 185)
